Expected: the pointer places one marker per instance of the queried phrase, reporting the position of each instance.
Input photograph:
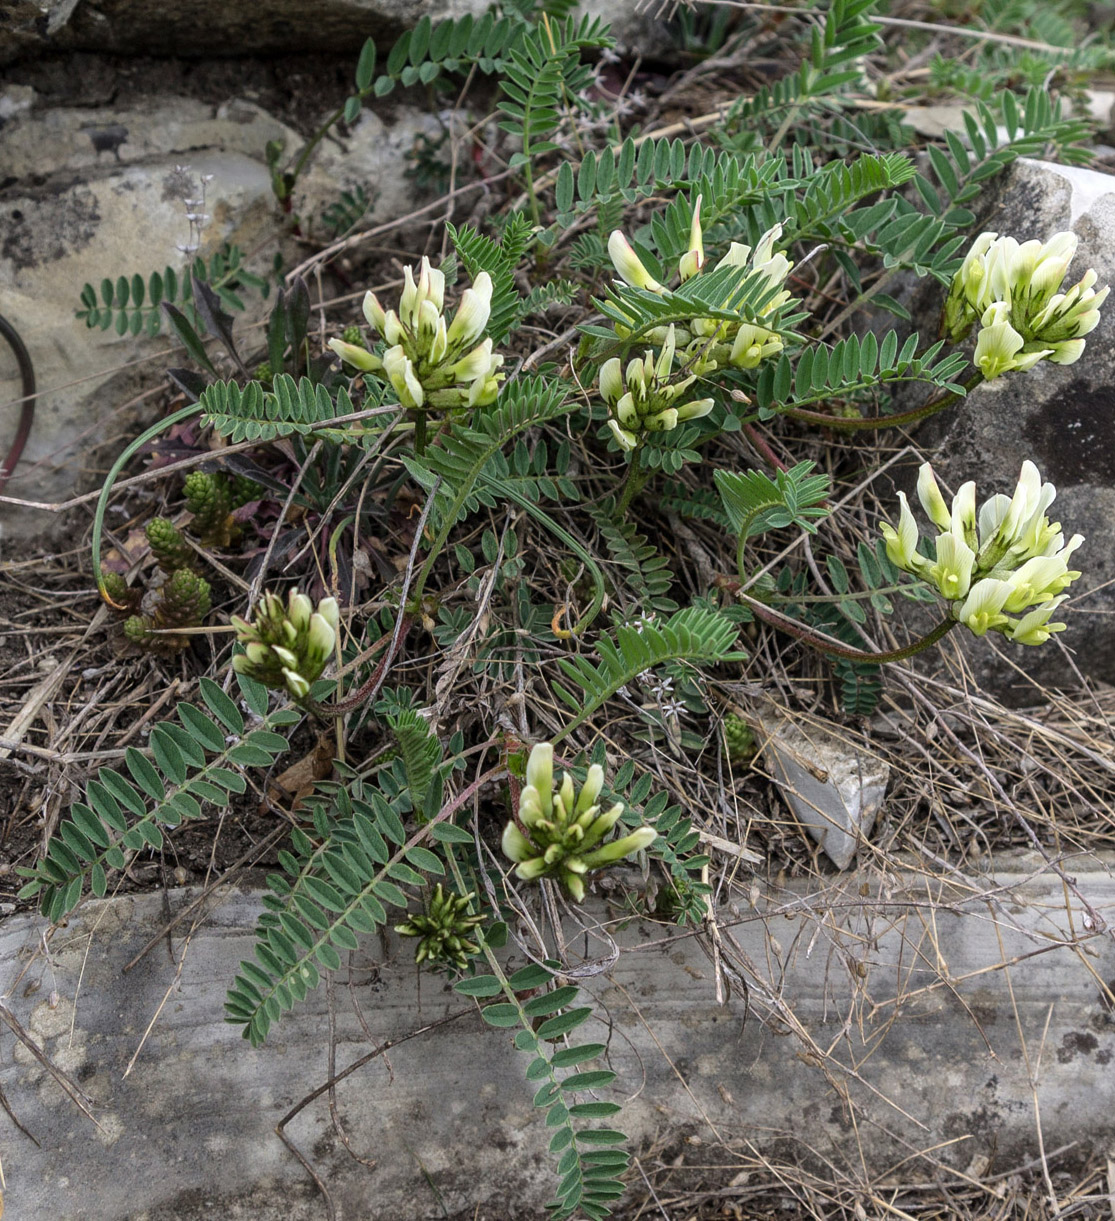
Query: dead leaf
(297, 782)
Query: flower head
(429, 361)
(711, 343)
(444, 929)
(288, 646)
(560, 833)
(1002, 561)
(1014, 291)
(644, 398)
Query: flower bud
(567, 843)
(472, 313)
(400, 372)
(619, 848)
(628, 264)
(298, 687)
(374, 313)
(694, 258)
(931, 499)
(516, 846)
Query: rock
(130, 219)
(1060, 417)
(834, 789)
(374, 156)
(99, 192)
(265, 27)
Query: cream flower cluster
(559, 833)
(1014, 291)
(431, 362)
(710, 343)
(287, 647)
(644, 399)
(1006, 561)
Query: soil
(104, 689)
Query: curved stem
(833, 647)
(176, 417)
(313, 142)
(891, 421)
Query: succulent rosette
(430, 361)
(1003, 569)
(289, 645)
(560, 833)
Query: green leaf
(563, 1023)
(450, 833)
(588, 1080)
(532, 976)
(221, 706)
(366, 66)
(424, 859)
(184, 329)
(503, 1015)
(144, 774)
(594, 1110)
(550, 1002)
(201, 728)
(480, 986)
(600, 1136)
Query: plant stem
(634, 483)
(419, 417)
(833, 647)
(372, 684)
(891, 421)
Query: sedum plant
(182, 601)
(169, 548)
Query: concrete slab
(938, 1010)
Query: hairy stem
(913, 416)
(833, 647)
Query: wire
(27, 414)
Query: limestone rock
(923, 1018)
(98, 192)
(834, 788)
(264, 27)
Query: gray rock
(834, 789)
(1062, 418)
(99, 193)
(915, 1019)
(55, 238)
(265, 27)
